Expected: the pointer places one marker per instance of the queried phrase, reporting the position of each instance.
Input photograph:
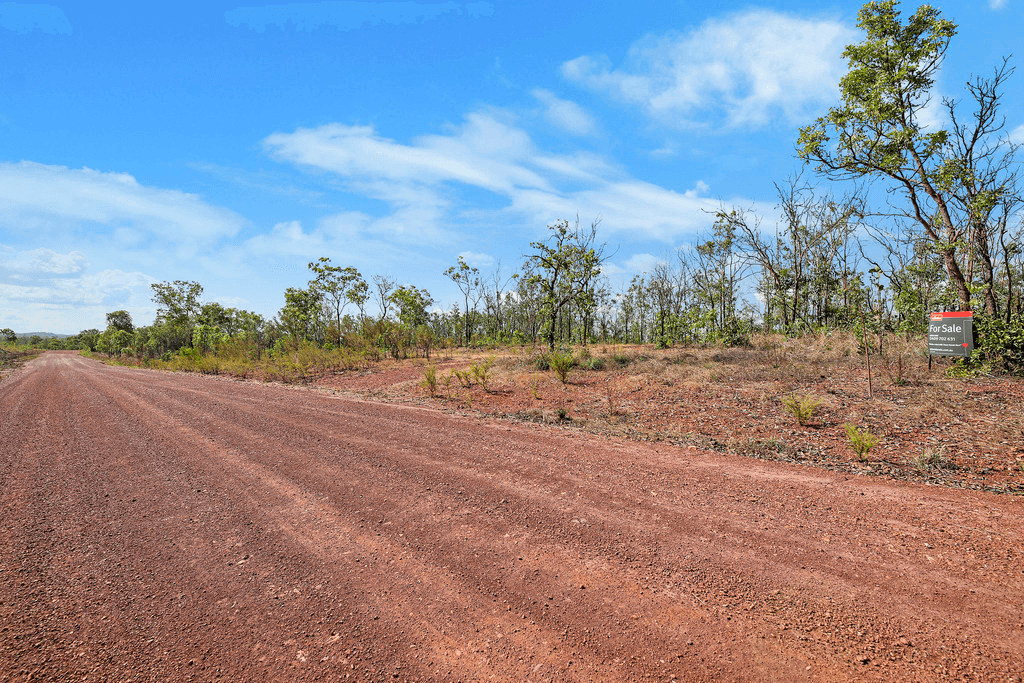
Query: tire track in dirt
(253, 531)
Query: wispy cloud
(25, 18)
(488, 152)
(477, 260)
(347, 16)
(743, 70)
(350, 233)
(997, 4)
(666, 151)
(565, 114)
(643, 263)
(116, 237)
(627, 205)
(39, 198)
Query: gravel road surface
(157, 526)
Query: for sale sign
(951, 333)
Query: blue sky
(232, 144)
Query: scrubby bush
(561, 363)
(429, 381)
(803, 408)
(861, 441)
(482, 373)
(1000, 347)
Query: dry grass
(730, 400)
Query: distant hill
(44, 335)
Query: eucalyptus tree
(719, 269)
(498, 299)
(662, 290)
(178, 307)
(467, 279)
(412, 305)
(121, 320)
(879, 131)
(564, 268)
(383, 286)
(339, 287)
(986, 194)
(300, 316)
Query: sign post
(950, 333)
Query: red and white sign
(951, 333)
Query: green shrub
(802, 408)
(429, 381)
(482, 373)
(861, 441)
(1000, 348)
(561, 364)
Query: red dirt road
(162, 527)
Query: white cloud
(42, 261)
(348, 233)
(480, 261)
(620, 274)
(484, 153)
(666, 151)
(626, 205)
(488, 153)
(566, 115)
(643, 263)
(1017, 135)
(87, 290)
(997, 4)
(286, 238)
(933, 115)
(744, 70)
(36, 197)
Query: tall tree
(878, 129)
(564, 268)
(985, 194)
(120, 320)
(384, 285)
(339, 286)
(301, 313)
(412, 304)
(177, 310)
(467, 279)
